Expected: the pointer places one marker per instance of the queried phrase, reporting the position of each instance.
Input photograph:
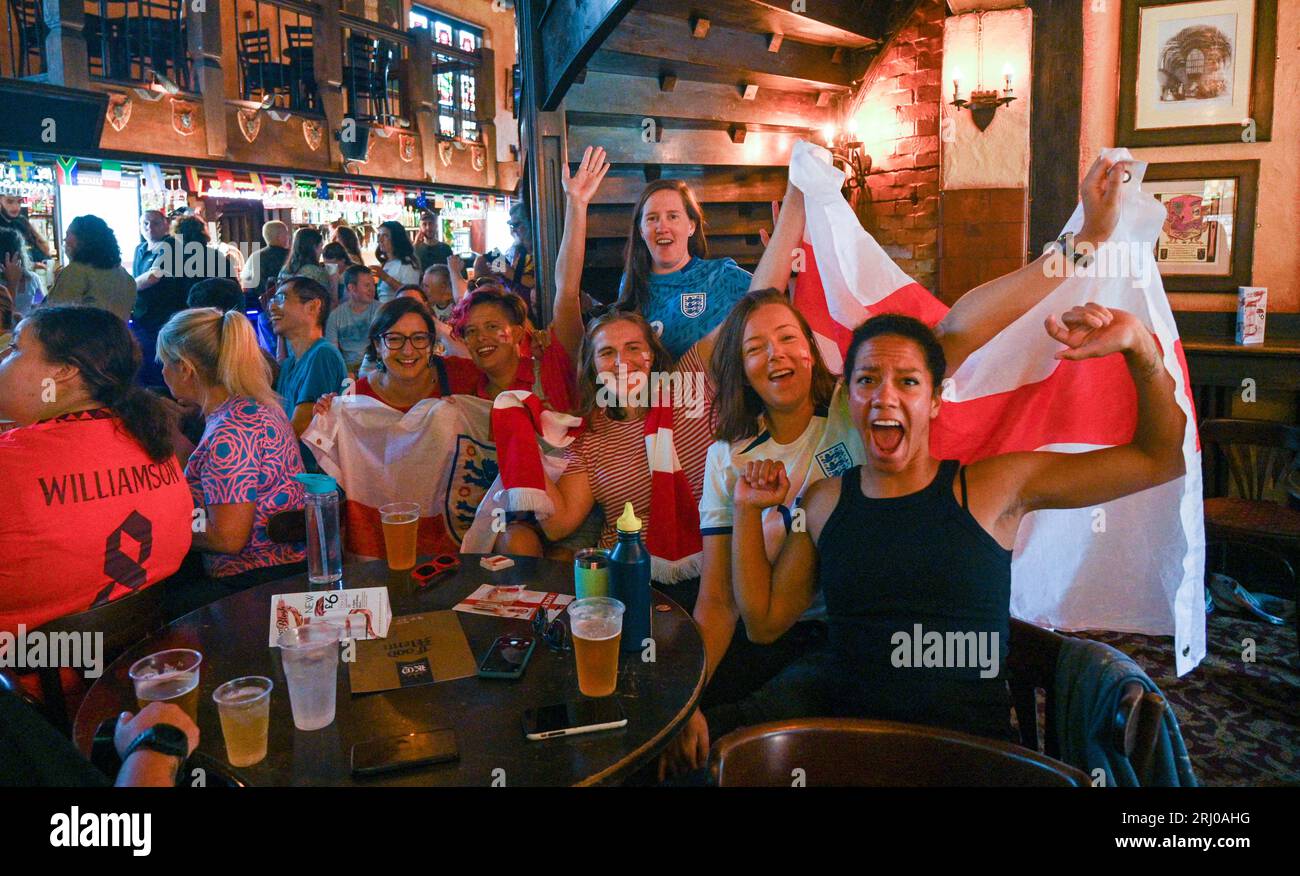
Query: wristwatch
(1066, 243)
(162, 738)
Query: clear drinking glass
(310, 655)
(169, 677)
(401, 523)
(596, 625)
(244, 705)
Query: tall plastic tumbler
(310, 654)
(324, 546)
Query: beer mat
(365, 611)
(419, 649)
(522, 606)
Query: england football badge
(693, 303)
(473, 471)
(834, 461)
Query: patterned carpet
(1240, 720)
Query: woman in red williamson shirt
(96, 503)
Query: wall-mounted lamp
(983, 104)
(847, 152)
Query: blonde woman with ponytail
(242, 470)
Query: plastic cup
(597, 626)
(401, 523)
(310, 655)
(244, 705)
(168, 677)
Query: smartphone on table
(572, 718)
(376, 756)
(507, 657)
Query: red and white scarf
(518, 419)
(672, 533)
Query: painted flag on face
(1135, 564)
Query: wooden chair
(260, 74)
(123, 622)
(301, 70)
(849, 752)
(1031, 667)
(1261, 457)
(27, 23)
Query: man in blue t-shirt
(314, 366)
(687, 304)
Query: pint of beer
(168, 677)
(597, 626)
(401, 522)
(244, 706)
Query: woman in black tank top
(938, 587)
(913, 553)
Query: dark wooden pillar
(424, 99)
(528, 14)
(65, 44)
(327, 37)
(486, 92)
(209, 80)
(1055, 123)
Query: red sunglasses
(425, 574)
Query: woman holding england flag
(778, 401)
(938, 560)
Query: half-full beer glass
(401, 522)
(597, 626)
(244, 705)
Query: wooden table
(486, 713)
(1219, 370)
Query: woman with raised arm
(937, 560)
(777, 400)
(608, 464)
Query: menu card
(522, 605)
(419, 649)
(364, 612)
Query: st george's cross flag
(439, 454)
(1133, 565)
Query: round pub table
(486, 714)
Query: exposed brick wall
(901, 204)
(984, 237)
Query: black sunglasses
(554, 634)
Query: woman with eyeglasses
(406, 372)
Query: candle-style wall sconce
(983, 103)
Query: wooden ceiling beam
(773, 18)
(652, 67)
(626, 146)
(742, 52)
(702, 101)
(711, 185)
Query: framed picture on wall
(1207, 241)
(1196, 71)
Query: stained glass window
(455, 72)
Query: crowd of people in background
(198, 413)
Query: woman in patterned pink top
(242, 470)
